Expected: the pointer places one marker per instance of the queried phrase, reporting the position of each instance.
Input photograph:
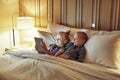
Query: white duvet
(28, 65)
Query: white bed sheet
(28, 65)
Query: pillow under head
(55, 28)
(48, 38)
(104, 50)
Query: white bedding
(28, 65)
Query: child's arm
(50, 48)
(60, 52)
(64, 56)
(43, 45)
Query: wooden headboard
(105, 14)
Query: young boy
(77, 51)
(62, 44)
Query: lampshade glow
(25, 22)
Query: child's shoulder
(69, 44)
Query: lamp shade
(25, 22)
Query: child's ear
(83, 41)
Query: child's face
(60, 40)
(78, 40)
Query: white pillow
(92, 33)
(87, 31)
(74, 30)
(55, 28)
(104, 50)
(48, 38)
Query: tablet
(38, 42)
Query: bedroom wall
(105, 14)
(8, 8)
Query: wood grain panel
(71, 15)
(22, 6)
(37, 13)
(105, 14)
(118, 28)
(43, 13)
(27, 7)
(78, 13)
(97, 13)
(87, 13)
(50, 11)
(56, 11)
(63, 12)
(114, 14)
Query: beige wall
(8, 8)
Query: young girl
(62, 44)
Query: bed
(102, 61)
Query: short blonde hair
(65, 35)
(84, 35)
